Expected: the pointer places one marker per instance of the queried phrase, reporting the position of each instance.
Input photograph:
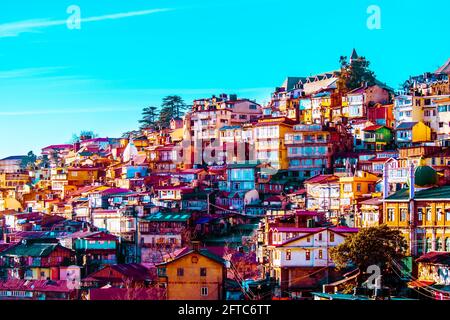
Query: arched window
(447, 244)
(428, 245)
(439, 244)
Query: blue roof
(14, 158)
(406, 125)
(229, 128)
(322, 94)
(203, 220)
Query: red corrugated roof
(373, 128)
(35, 285)
(322, 178)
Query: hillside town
(231, 199)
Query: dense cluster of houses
(235, 200)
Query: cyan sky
(55, 82)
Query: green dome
(425, 176)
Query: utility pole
(137, 235)
(207, 195)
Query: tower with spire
(354, 55)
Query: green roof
(339, 296)
(436, 193)
(172, 217)
(31, 250)
(342, 296)
(204, 252)
(425, 176)
(242, 165)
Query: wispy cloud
(187, 91)
(14, 29)
(28, 72)
(37, 112)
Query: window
(391, 214)
(180, 272)
(320, 237)
(320, 254)
(307, 255)
(403, 213)
(331, 237)
(428, 245)
(447, 215)
(204, 291)
(439, 214)
(162, 272)
(202, 272)
(420, 214)
(288, 254)
(358, 187)
(439, 244)
(428, 214)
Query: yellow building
(422, 213)
(409, 133)
(270, 141)
(82, 176)
(356, 187)
(8, 202)
(9, 180)
(194, 275)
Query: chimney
(196, 245)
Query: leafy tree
(172, 107)
(131, 134)
(371, 246)
(29, 161)
(83, 133)
(354, 73)
(149, 117)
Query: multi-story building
(323, 194)
(194, 274)
(270, 144)
(354, 188)
(421, 211)
(35, 260)
(209, 115)
(164, 233)
(11, 164)
(409, 134)
(310, 149)
(360, 99)
(377, 138)
(443, 119)
(370, 213)
(382, 115)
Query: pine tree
(355, 73)
(149, 118)
(29, 161)
(172, 107)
